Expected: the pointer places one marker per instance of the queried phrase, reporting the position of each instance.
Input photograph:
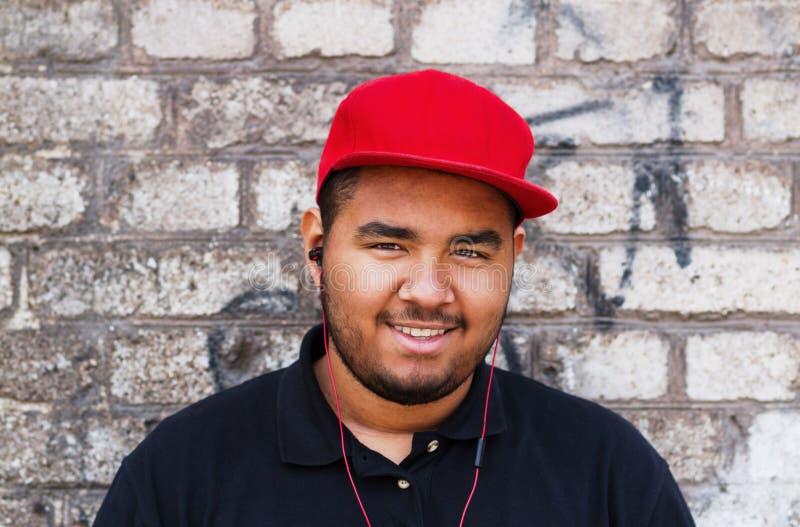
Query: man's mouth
(421, 333)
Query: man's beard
(366, 368)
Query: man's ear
(312, 232)
(519, 240)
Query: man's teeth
(419, 332)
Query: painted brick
(38, 193)
(691, 442)
(195, 282)
(737, 197)
(566, 112)
(762, 486)
(37, 447)
(629, 365)
(333, 28)
(74, 30)
(771, 109)
(177, 196)
(703, 279)
(181, 28)
(107, 442)
(257, 110)
(591, 31)
(743, 365)
(117, 281)
(543, 283)
(48, 365)
(30, 511)
(752, 27)
(6, 287)
(161, 367)
(240, 354)
(471, 31)
(598, 198)
(283, 190)
(93, 110)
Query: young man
(391, 417)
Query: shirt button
(433, 445)
(403, 484)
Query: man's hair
(340, 186)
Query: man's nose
(428, 284)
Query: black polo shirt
(267, 453)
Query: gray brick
(542, 283)
(598, 198)
(738, 197)
(177, 196)
(727, 28)
(161, 367)
(625, 365)
(18, 509)
(691, 442)
(6, 286)
(91, 110)
(566, 112)
(589, 31)
(257, 110)
(38, 193)
(706, 279)
(283, 190)
(107, 442)
(486, 32)
(53, 364)
(743, 365)
(771, 109)
(75, 30)
(333, 28)
(181, 28)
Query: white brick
(742, 365)
(37, 193)
(283, 189)
(737, 197)
(660, 110)
(630, 365)
(762, 486)
(6, 287)
(106, 444)
(771, 109)
(192, 282)
(76, 30)
(762, 27)
(212, 29)
(598, 198)
(715, 279)
(591, 30)
(334, 27)
(543, 283)
(473, 31)
(177, 196)
(92, 110)
(256, 110)
(154, 367)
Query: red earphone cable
(341, 426)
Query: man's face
(420, 252)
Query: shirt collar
(308, 430)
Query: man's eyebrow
(486, 237)
(377, 229)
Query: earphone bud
(315, 255)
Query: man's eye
(470, 253)
(386, 246)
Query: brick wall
(155, 157)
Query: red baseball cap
(439, 121)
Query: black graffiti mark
(603, 307)
(566, 113)
(232, 356)
(568, 12)
(510, 352)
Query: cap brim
(533, 200)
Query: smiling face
(417, 271)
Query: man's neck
(382, 425)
